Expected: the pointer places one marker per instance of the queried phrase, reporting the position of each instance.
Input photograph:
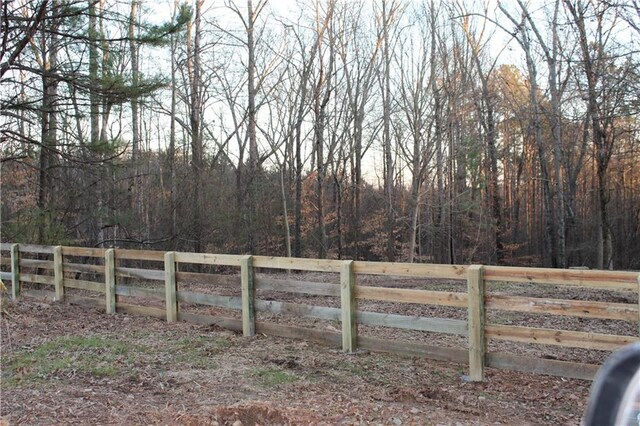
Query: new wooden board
(298, 310)
(294, 286)
(131, 291)
(84, 285)
(144, 274)
(404, 295)
(39, 279)
(208, 259)
(573, 277)
(200, 319)
(79, 267)
(421, 350)
(125, 308)
(575, 339)
(297, 263)
(213, 279)
(35, 263)
(35, 248)
(85, 302)
(292, 332)
(39, 294)
(573, 370)
(420, 270)
(436, 325)
(224, 322)
(230, 302)
(140, 310)
(83, 251)
(153, 255)
(575, 308)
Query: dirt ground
(67, 364)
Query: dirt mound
(248, 414)
(259, 414)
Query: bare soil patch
(65, 364)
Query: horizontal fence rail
(108, 275)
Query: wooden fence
(61, 267)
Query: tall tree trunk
(551, 55)
(386, 135)
(252, 176)
(136, 196)
(194, 119)
(49, 124)
(94, 100)
(494, 191)
(287, 231)
(550, 242)
(321, 100)
(172, 138)
(601, 147)
(488, 122)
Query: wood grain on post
(110, 280)
(170, 286)
(639, 304)
(477, 346)
(58, 274)
(348, 305)
(15, 271)
(248, 296)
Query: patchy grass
(69, 356)
(198, 351)
(272, 377)
(352, 368)
(364, 370)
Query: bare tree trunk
(551, 56)
(253, 143)
(320, 106)
(136, 193)
(599, 137)
(172, 137)
(193, 64)
(551, 247)
(94, 100)
(488, 123)
(287, 232)
(386, 133)
(49, 125)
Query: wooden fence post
(58, 273)
(248, 296)
(15, 271)
(639, 304)
(110, 280)
(349, 307)
(475, 322)
(170, 286)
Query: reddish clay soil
(67, 364)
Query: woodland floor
(68, 364)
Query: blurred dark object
(615, 393)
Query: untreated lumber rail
(62, 268)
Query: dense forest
(419, 131)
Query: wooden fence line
(476, 301)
